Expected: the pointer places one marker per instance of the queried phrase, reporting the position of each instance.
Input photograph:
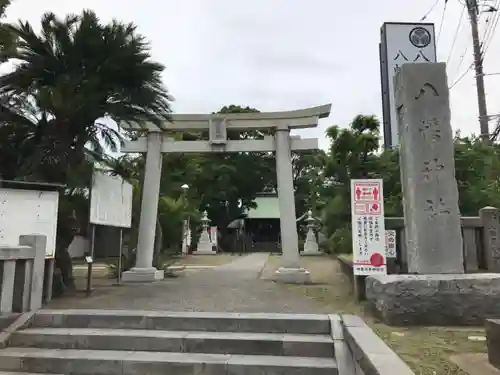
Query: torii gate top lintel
(296, 119)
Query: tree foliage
(7, 39)
(70, 78)
(354, 153)
(72, 83)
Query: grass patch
(347, 257)
(427, 350)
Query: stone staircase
(104, 342)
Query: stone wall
(480, 238)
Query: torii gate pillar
(144, 270)
(290, 270)
(282, 122)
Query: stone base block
(311, 253)
(493, 341)
(292, 276)
(205, 252)
(448, 299)
(143, 275)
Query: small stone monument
(204, 246)
(311, 245)
(186, 237)
(438, 292)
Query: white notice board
(25, 212)
(368, 227)
(403, 43)
(110, 201)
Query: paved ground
(234, 287)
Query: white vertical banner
(186, 237)
(368, 227)
(213, 236)
(390, 243)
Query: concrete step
(277, 344)
(184, 321)
(110, 362)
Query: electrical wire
(492, 27)
(488, 24)
(459, 26)
(442, 21)
(462, 58)
(487, 37)
(462, 76)
(424, 17)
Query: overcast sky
(286, 54)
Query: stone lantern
(204, 246)
(311, 245)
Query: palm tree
(70, 79)
(7, 41)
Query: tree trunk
(64, 262)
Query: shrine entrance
(281, 123)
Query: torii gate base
(281, 122)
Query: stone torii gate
(156, 143)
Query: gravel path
(235, 287)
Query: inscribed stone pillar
(7, 286)
(22, 285)
(430, 193)
(49, 277)
(39, 243)
(144, 270)
(491, 237)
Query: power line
(486, 34)
(491, 74)
(462, 58)
(488, 26)
(442, 21)
(424, 17)
(456, 34)
(467, 71)
(491, 28)
(462, 76)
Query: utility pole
(473, 11)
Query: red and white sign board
(368, 227)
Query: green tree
(353, 153)
(308, 180)
(477, 170)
